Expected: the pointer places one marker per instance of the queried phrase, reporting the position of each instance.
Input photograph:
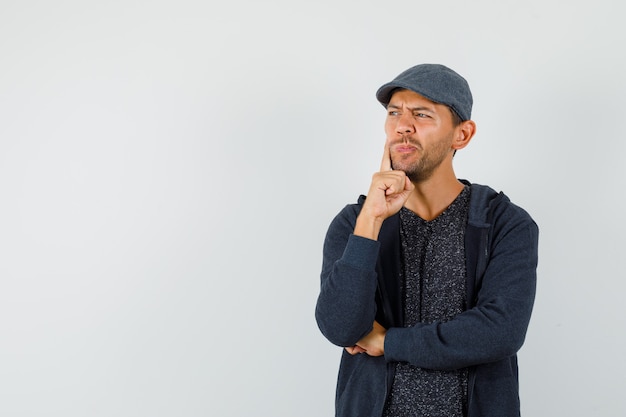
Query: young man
(429, 281)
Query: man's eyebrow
(418, 108)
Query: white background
(168, 171)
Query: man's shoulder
(346, 217)
(487, 204)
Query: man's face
(419, 134)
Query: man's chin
(399, 166)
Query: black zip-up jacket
(360, 284)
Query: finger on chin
(385, 164)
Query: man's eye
(393, 113)
(420, 115)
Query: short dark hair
(456, 119)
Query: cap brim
(384, 93)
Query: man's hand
(373, 344)
(388, 192)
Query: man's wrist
(367, 227)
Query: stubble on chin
(417, 173)
(420, 169)
(423, 165)
(413, 170)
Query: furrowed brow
(422, 108)
(412, 109)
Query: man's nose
(405, 123)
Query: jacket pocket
(361, 386)
(495, 391)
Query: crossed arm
(388, 192)
(373, 343)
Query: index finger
(385, 165)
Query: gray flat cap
(437, 83)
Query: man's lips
(405, 148)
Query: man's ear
(465, 132)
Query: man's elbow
(341, 332)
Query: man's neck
(431, 197)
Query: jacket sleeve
(346, 305)
(495, 328)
